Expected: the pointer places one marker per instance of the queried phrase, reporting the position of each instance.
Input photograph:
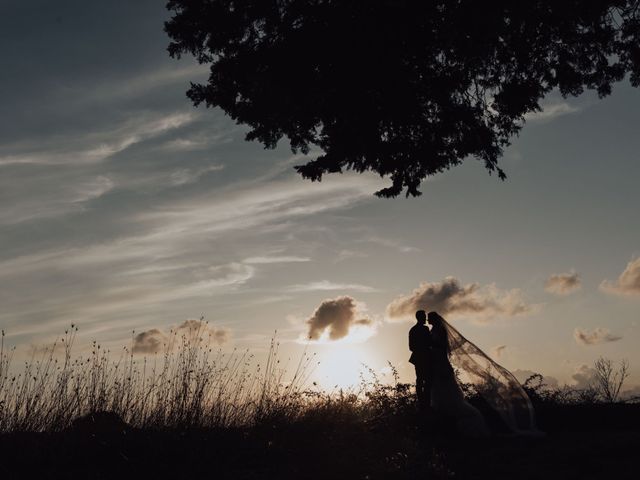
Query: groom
(420, 346)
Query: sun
(340, 366)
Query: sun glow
(340, 366)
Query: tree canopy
(403, 88)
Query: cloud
(156, 340)
(51, 195)
(221, 336)
(217, 335)
(251, 204)
(230, 274)
(326, 285)
(563, 283)
(185, 176)
(584, 377)
(596, 336)
(482, 304)
(632, 393)
(386, 242)
(336, 316)
(149, 341)
(66, 175)
(115, 207)
(137, 85)
(275, 259)
(551, 111)
(523, 375)
(98, 146)
(46, 349)
(133, 256)
(346, 254)
(628, 283)
(498, 351)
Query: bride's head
(434, 319)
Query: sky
(124, 208)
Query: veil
(494, 383)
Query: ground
(588, 442)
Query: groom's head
(421, 317)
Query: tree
(403, 88)
(608, 380)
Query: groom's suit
(420, 346)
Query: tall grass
(189, 384)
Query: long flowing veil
(494, 383)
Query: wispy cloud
(597, 336)
(64, 175)
(326, 285)
(238, 207)
(275, 259)
(98, 146)
(550, 111)
(394, 244)
(52, 197)
(346, 254)
(121, 205)
(143, 83)
(154, 261)
(186, 176)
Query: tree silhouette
(403, 88)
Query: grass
(189, 384)
(194, 411)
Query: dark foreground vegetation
(212, 418)
(338, 440)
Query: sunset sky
(123, 207)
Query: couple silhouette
(421, 345)
(435, 351)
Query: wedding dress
(493, 383)
(446, 395)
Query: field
(198, 413)
(329, 444)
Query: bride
(493, 383)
